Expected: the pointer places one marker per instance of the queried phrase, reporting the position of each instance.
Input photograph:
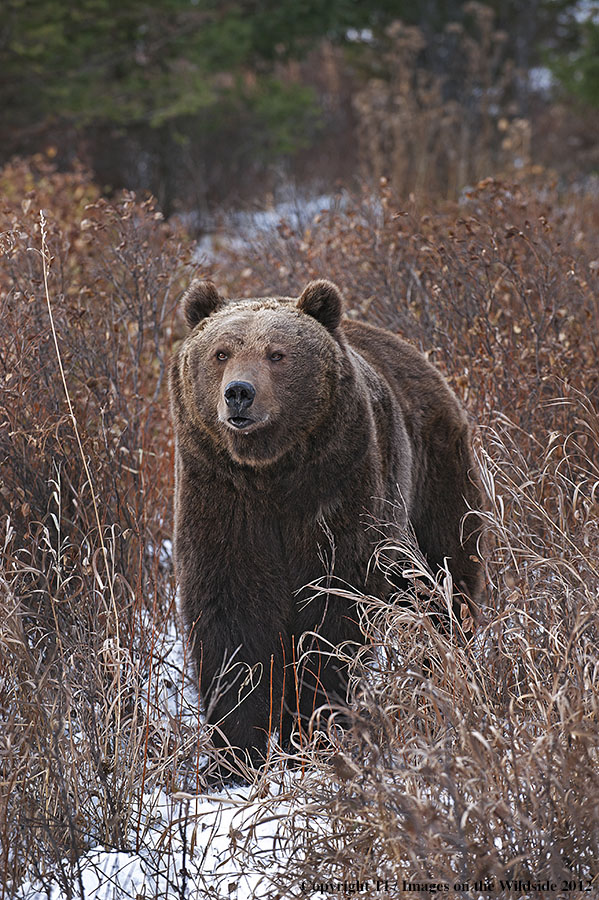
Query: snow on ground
(182, 845)
(190, 847)
(241, 229)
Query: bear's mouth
(240, 422)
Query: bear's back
(424, 395)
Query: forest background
(451, 154)
(208, 104)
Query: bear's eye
(221, 355)
(276, 356)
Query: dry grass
(463, 761)
(480, 761)
(85, 499)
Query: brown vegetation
(462, 762)
(81, 523)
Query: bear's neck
(316, 472)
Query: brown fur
(347, 418)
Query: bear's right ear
(200, 300)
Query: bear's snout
(239, 396)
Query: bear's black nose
(239, 395)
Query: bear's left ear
(200, 300)
(322, 300)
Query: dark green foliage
(130, 61)
(103, 59)
(193, 100)
(578, 70)
(152, 61)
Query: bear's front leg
(238, 603)
(242, 688)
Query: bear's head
(259, 376)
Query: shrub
(85, 505)
(463, 761)
(474, 761)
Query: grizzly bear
(295, 430)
